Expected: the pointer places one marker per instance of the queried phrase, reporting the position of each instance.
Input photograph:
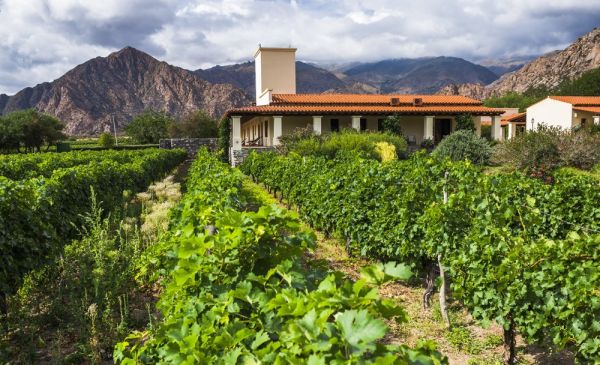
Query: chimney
(275, 70)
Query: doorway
(442, 128)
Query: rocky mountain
(548, 70)
(419, 75)
(123, 85)
(3, 101)
(503, 66)
(475, 91)
(309, 78)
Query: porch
(265, 131)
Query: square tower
(275, 70)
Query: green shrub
(106, 140)
(547, 148)
(464, 145)
(306, 143)
(392, 124)
(465, 122)
(427, 144)
(486, 132)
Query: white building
(278, 110)
(564, 111)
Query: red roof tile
(590, 109)
(516, 118)
(579, 100)
(371, 99)
(363, 109)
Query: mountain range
(548, 70)
(129, 81)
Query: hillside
(419, 75)
(309, 78)
(547, 71)
(123, 84)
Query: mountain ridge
(548, 70)
(122, 85)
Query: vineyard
(237, 290)
(137, 274)
(44, 199)
(517, 250)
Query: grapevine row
(520, 251)
(29, 165)
(237, 292)
(39, 215)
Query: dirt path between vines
(466, 343)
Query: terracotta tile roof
(371, 99)
(590, 109)
(363, 109)
(516, 118)
(579, 100)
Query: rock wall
(191, 145)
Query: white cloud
(42, 39)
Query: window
(266, 128)
(363, 124)
(380, 125)
(583, 122)
(335, 125)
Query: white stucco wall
(275, 69)
(550, 112)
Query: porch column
(236, 132)
(277, 129)
(478, 126)
(596, 119)
(428, 131)
(511, 130)
(496, 128)
(356, 122)
(317, 124)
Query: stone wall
(238, 156)
(191, 145)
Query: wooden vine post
(443, 306)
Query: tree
(587, 84)
(11, 134)
(198, 124)
(465, 122)
(149, 127)
(392, 124)
(106, 140)
(31, 129)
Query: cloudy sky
(42, 39)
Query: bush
(427, 144)
(486, 132)
(306, 143)
(391, 124)
(464, 145)
(465, 122)
(386, 151)
(106, 140)
(530, 150)
(547, 148)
